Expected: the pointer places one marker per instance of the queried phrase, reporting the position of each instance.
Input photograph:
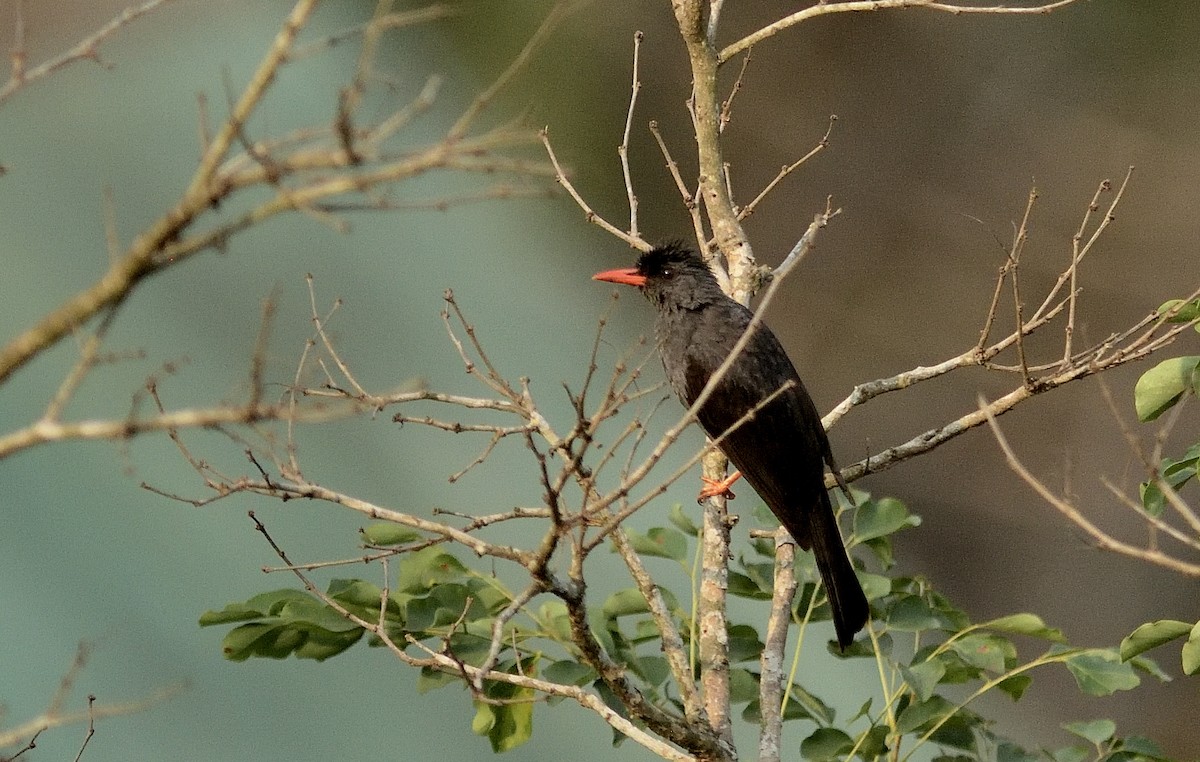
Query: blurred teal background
(943, 124)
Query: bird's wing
(780, 447)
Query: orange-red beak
(628, 276)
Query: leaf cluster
(934, 662)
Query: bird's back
(781, 449)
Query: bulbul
(781, 448)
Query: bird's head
(669, 276)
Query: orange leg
(714, 487)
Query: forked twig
(1103, 539)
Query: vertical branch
(706, 114)
(1014, 261)
(623, 149)
(714, 586)
(673, 647)
(772, 675)
(731, 239)
(690, 200)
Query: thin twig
(1103, 540)
(87, 49)
(727, 105)
(691, 201)
(623, 149)
(589, 214)
(857, 6)
(786, 170)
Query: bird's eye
(667, 272)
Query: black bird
(782, 448)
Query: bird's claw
(718, 487)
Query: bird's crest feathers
(678, 276)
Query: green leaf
(1015, 686)
(264, 640)
(682, 521)
(804, 705)
(745, 587)
(512, 720)
(624, 603)
(1071, 754)
(553, 614)
(320, 644)
(923, 713)
(924, 677)
(1150, 667)
(653, 669)
(469, 648)
(1141, 748)
(1100, 672)
(764, 574)
(874, 744)
(1176, 473)
(1026, 624)
(882, 517)
(801, 705)
(826, 744)
(1186, 313)
(743, 685)
(427, 568)
(863, 647)
(958, 670)
(1010, 752)
(388, 533)
(355, 592)
(1152, 635)
(484, 719)
(913, 613)
(233, 612)
(442, 606)
(875, 586)
(881, 547)
(988, 652)
(567, 672)
(489, 598)
(660, 542)
(862, 710)
(263, 604)
(278, 641)
(1191, 652)
(1163, 385)
(431, 678)
(1095, 731)
(744, 644)
(960, 731)
(313, 613)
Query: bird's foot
(715, 487)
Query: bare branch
(772, 676)
(634, 241)
(786, 170)
(55, 714)
(727, 105)
(315, 171)
(1103, 540)
(44, 431)
(691, 201)
(87, 49)
(859, 6)
(623, 149)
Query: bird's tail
(846, 597)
